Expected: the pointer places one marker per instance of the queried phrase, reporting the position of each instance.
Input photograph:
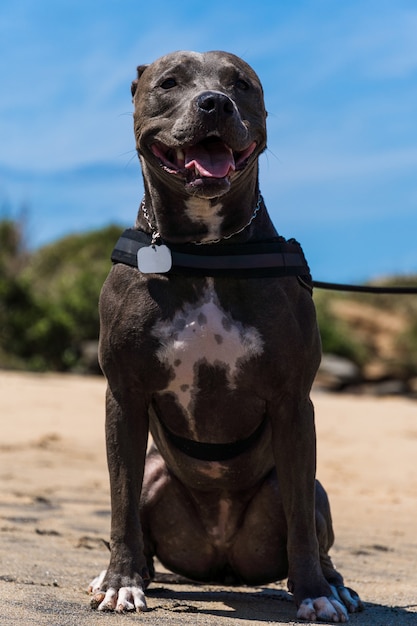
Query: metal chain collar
(156, 234)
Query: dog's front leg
(294, 442)
(121, 587)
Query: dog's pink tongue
(213, 160)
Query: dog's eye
(242, 84)
(168, 83)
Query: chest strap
(248, 260)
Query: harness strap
(248, 260)
(213, 451)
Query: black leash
(364, 288)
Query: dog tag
(154, 259)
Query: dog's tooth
(180, 158)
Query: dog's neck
(240, 215)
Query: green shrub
(49, 300)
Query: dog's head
(199, 121)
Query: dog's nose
(215, 102)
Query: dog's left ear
(140, 69)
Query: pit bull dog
(209, 341)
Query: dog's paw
(348, 597)
(324, 609)
(129, 598)
(124, 599)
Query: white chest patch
(203, 333)
(201, 211)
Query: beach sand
(55, 511)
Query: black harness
(277, 257)
(272, 258)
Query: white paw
(325, 609)
(96, 583)
(125, 599)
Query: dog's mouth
(210, 158)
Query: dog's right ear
(140, 69)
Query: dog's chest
(203, 337)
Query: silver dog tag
(154, 259)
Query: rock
(336, 372)
(387, 388)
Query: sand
(54, 511)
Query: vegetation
(49, 299)
(49, 309)
(336, 334)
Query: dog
(209, 341)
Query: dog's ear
(140, 69)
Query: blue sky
(340, 81)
